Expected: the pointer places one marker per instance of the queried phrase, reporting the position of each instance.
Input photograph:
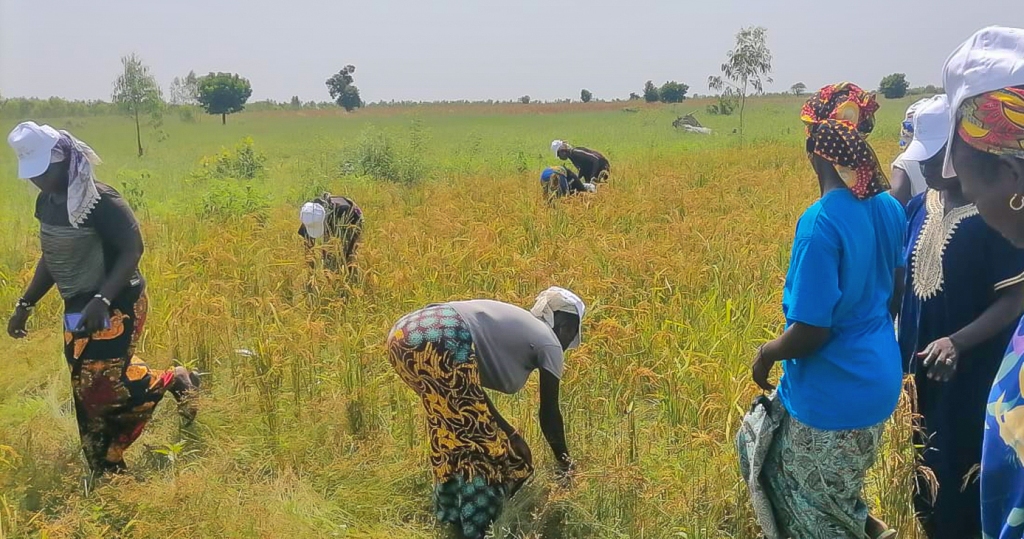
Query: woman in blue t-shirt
(841, 363)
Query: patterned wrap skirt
(115, 393)
(474, 464)
(814, 479)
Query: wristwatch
(24, 304)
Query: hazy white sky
(480, 49)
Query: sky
(481, 49)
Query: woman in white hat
(591, 166)
(984, 79)
(907, 180)
(337, 224)
(964, 297)
(91, 247)
(448, 353)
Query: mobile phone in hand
(73, 322)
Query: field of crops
(681, 260)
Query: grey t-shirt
(510, 343)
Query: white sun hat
(32, 143)
(990, 60)
(313, 216)
(557, 145)
(931, 127)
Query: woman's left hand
(761, 370)
(940, 358)
(94, 317)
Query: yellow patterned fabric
(994, 122)
(474, 463)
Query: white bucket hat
(931, 127)
(559, 299)
(313, 216)
(33, 144)
(991, 59)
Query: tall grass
(308, 433)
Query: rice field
(681, 259)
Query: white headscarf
(82, 193)
(557, 145)
(559, 299)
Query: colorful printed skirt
(475, 466)
(814, 479)
(115, 393)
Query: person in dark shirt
(91, 247)
(336, 221)
(591, 166)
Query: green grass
(681, 260)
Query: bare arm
(901, 188)
(40, 285)
(551, 422)
(799, 340)
(1007, 307)
(899, 287)
(130, 251)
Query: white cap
(556, 145)
(33, 144)
(992, 59)
(931, 127)
(313, 216)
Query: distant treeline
(56, 107)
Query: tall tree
(185, 90)
(586, 96)
(136, 92)
(798, 89)
(673, 92)
(894, 86)
(747, 68)
(223, 93)
(651, 92)
(342, 89)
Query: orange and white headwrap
(993, 122)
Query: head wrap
(843, 101)
(557, 145)
(993, 122)
(838, 117)
(82, 193)
(559, 299)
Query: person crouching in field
(337, 224)
(448, 353)
(841, 365)
(591, 166)
(560, 181)
(91, 247)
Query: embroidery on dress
(938, 230)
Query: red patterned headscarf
(843, 101)
(838, 118)
(993, 122)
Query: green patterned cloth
(814, 479)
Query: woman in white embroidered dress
(964, 296)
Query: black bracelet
(25, 304)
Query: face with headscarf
(563, 312)
(838, 118)
(988, 157)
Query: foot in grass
(876, 529)
(185, 389)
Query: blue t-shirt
(841, 273)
